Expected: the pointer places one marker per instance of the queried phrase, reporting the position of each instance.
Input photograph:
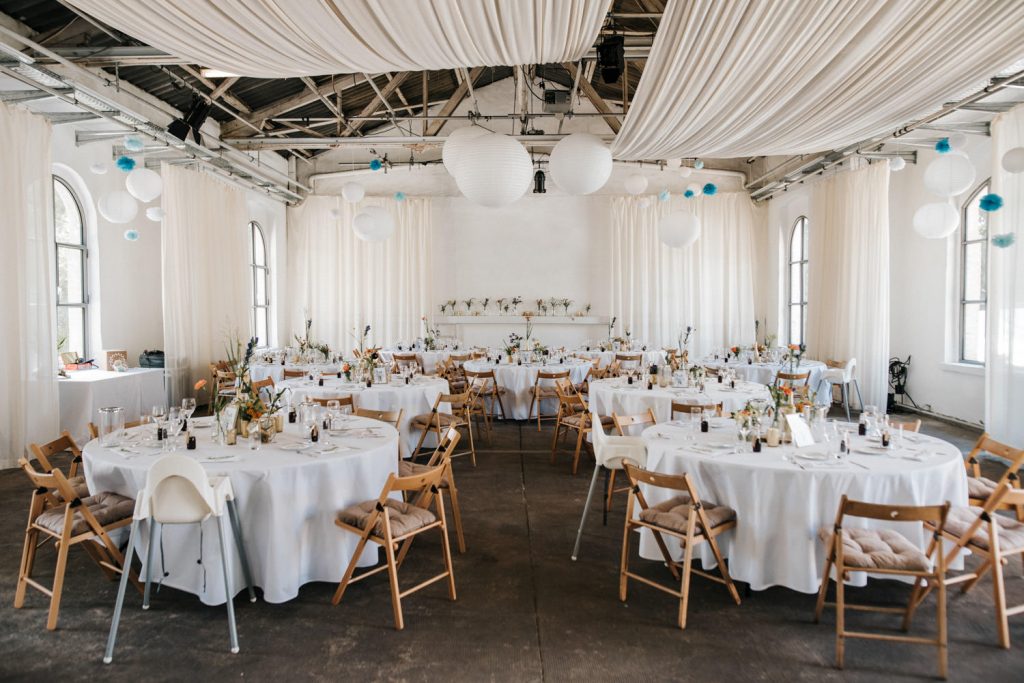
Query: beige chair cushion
(673, 514)
(575, 420)
(407, 468)
(428, 419)
(78, 484)
(404, 517)
(879, 549)
(106, 507)
(980, 488)
(1011, 532)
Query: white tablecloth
(86, 391)
(649, 358)
(429, 359)
(287, 503)
(415, 398)
(609, 396)
(260, 371)
(764, 373)
(781, 507)
(518, 381)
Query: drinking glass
(188, 406)
(695, 414)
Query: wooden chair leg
(456, 512)
(823, 590)
(684, 596)
(611, 490)
(343, 584)
(445, 546)
(999, 597)
(58, 580)
(396, 597)
(472, 446)
(840, 617)
(419, 444)
(28, 556)
(554, 440)
(580, 433)
(943, 635)
(917, 596)
(724, 570)
(624, 563)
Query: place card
(800, 430)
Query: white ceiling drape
(657, 291)
(1004, 366)
(764, 77)
(28, 346)
(285, 38)
(343, 283)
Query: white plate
(815, 457)
(872, 450)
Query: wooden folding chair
(400, 359)
(622, 423)
(294, 374)
(543, 388)
(437, 422)
(442, 457)
(688, 408)
(393, 524)
(614, 369)
(629, 361)
(979, 488)
(490, 391)
(994, 539)
(94, 431)
(346, 401)
(265, 383)
(890, 553)
(392, 417)
(792, 379)
(908, 425)
(684, 517)
(573, 415)
(58, 513)
(63, 444)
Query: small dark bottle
(885, 439)
(369, 383)
(561, 361)
(282, 361)
(407, 379)
(327, 424)
(757, 444)
(842, 444)
(650, 385)
(184, 424)
(311, 377)
(339, 374)
(519, 362)
(750, 361)
(292, 415)
(191, 444)
(720, 378)
(321, 382)
(704, 425)
(862, 429)
(314, 434)
(732, 383)
(161, 433)
(629, 379)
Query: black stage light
(192, 121)
(538, 182)
(611, 58)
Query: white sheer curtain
(658, 291)
(29, 407)
(289, 38)
(207, 286)
(1004, 371)
(343, 283)
(848, 303)
(763, 77)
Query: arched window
(260, 284)
(72, 270)
(797, 301)
(973, 278)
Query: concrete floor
(525, 611)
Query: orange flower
(794, 347)
(199, 385)
(346, 367)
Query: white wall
(542, 247)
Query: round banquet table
(415, 398)
(287, 502)
(261, 371)
(609, 396)
(649, 358)
(764, 373)
(429, 359)
(518, 381)
(782, 498)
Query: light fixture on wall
(611, 58)
(538, 182)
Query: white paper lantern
(353, 192)
(1013, 160)
(495, 171)
(936, 220)
(99, 168)
(580, 163)
(458, 141)
(144, 184)
(685, 172)
(949, 175)
(155, 213)
(373, 224)
(118, 207)
(695, 188)
(673, 163)
(636, 184)
(679, 229)
(957, 142)
(897, 164)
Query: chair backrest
(482, 381)
(392, 417)
(405, 357)
(459, 359)
(568, 397)
(53, 480)
(987, 444)
(933, 514)
(675, 482)
(688, 408)
(549, 375)
(456, 401)
(792, 378)
(343, 401)
(293, 374)
(442, 455)
(624, 421)
(94, 431)
(908, 425)
(629, 357)
(259, 385)
(177, 492)
(64, 443)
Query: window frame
(803, 224)
(259, 309)
(83, 248)
(962, 301)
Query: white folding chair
(179, 492)
(609, 452)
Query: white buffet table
(783, 500)
(84, 392)
(287, 502)
(518, 381)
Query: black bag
(151, 359)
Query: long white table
(84, 392)
(518, 381)
(287, 501)
(782, 500)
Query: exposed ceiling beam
(287, 104)
(29, 95)
(57, 118)
(990, 107)
(227, 97)
(381, 95)
(223, 87)
(454, 101)
(273, 142)
(595, 99)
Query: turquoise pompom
(131, 235)
(376, 165)
(990, 202)
(133, 143)
(688, 194)
(126, 164)
(942, 146)
(399, 196)
(710, 189)
(1003, 241)
(663, 196)
(698, 164)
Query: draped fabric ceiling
(285, 39)
(751, 77)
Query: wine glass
(695, 414)
(743, 428)
(188, 406)
(158, 412)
